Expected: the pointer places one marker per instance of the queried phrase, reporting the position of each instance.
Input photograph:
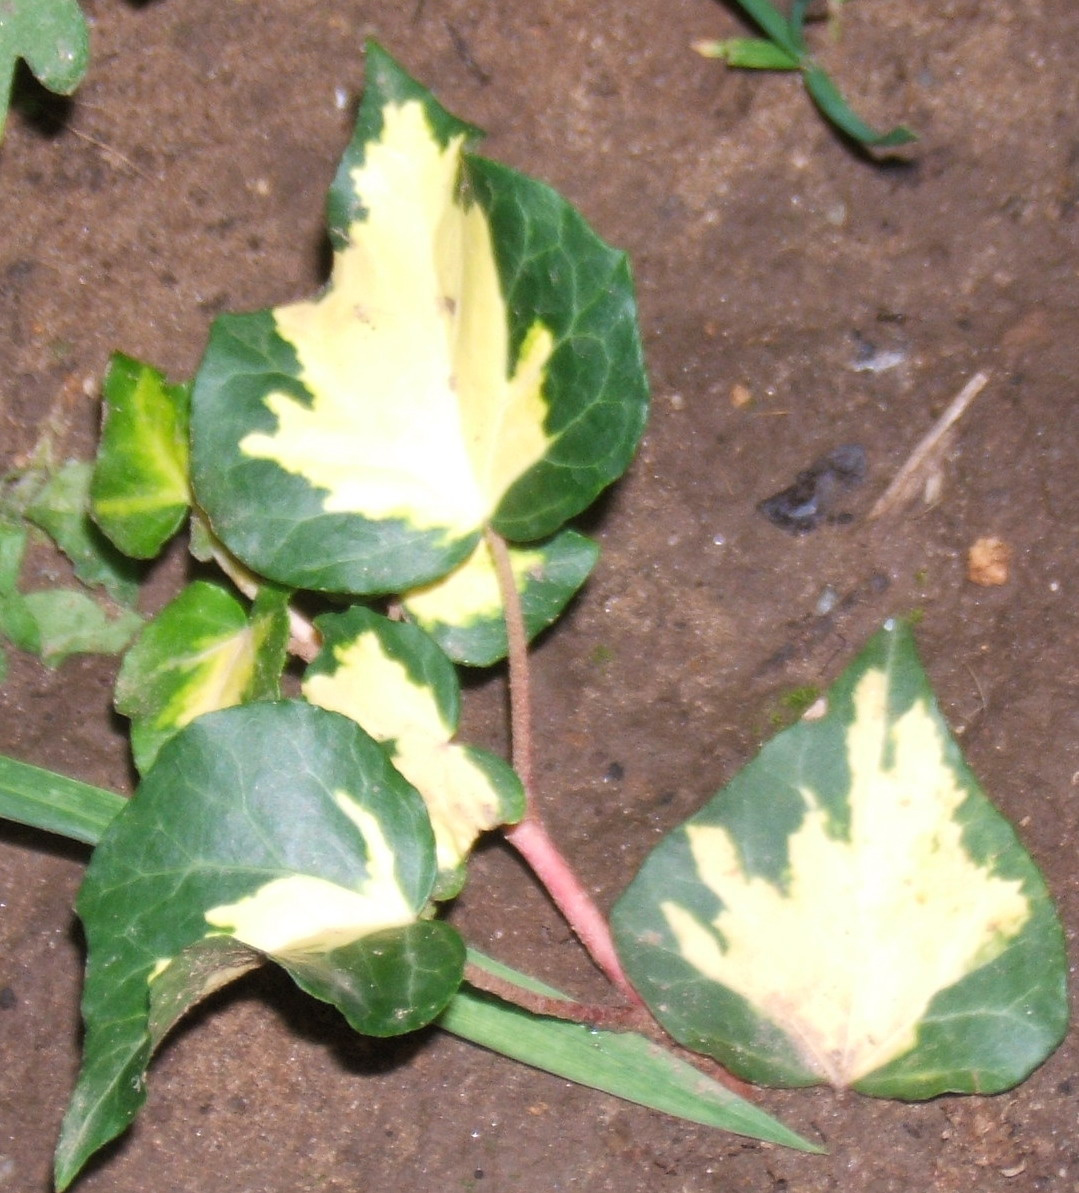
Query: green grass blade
(775, 24)
(827, 97)
(46, 800)
(620, 1063)
(797, 21)
(749, 53)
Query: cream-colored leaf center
(301, 913)
(414, 414)
(847, 958)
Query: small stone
(989, 562)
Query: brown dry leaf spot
(989, 562)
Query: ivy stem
(530, 836)
(636, 1018)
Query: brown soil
(188, 176)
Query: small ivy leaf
(64, 621)
(140, 491)
(12, 549)
(283, 828)
(17, 624)
(475, 360)
(62, 509)
(392, 679)
(852, 910)
(464, 614)
(51, 36)
(202, 652)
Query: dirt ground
(850, 300)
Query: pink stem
(530, 837)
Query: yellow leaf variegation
(899, 906)
(416, 317)
(302, 913)
(204, 651)
(474, 361)
(852, 909)
(395, 682)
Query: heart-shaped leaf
(237, 833)
(140, 489)
(851, 909)
(202, 652)
(393, 679)
(474, 361)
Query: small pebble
(989, 562)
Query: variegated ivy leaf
(140, 489)
(202, 652)
(463, 612)
(474, 361)
(279, 827)
(393, 680)
(852, 910)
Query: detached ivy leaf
(282, 827)
(62, 509)
(64, 621)
(464, 613)
(475, 360)
(851, 909)
(202, 652)
(393, 680)
(53, 39)
(140, 490)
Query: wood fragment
(911, 476)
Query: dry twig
(912, 475)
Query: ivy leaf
(62, 509)
(60, 622)
(474, 361)
(236, 835)
(463, 612)
(202, 652)
(12, 549)
(392, 679)
(140, 491)
(852, 910)
(51, 36)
